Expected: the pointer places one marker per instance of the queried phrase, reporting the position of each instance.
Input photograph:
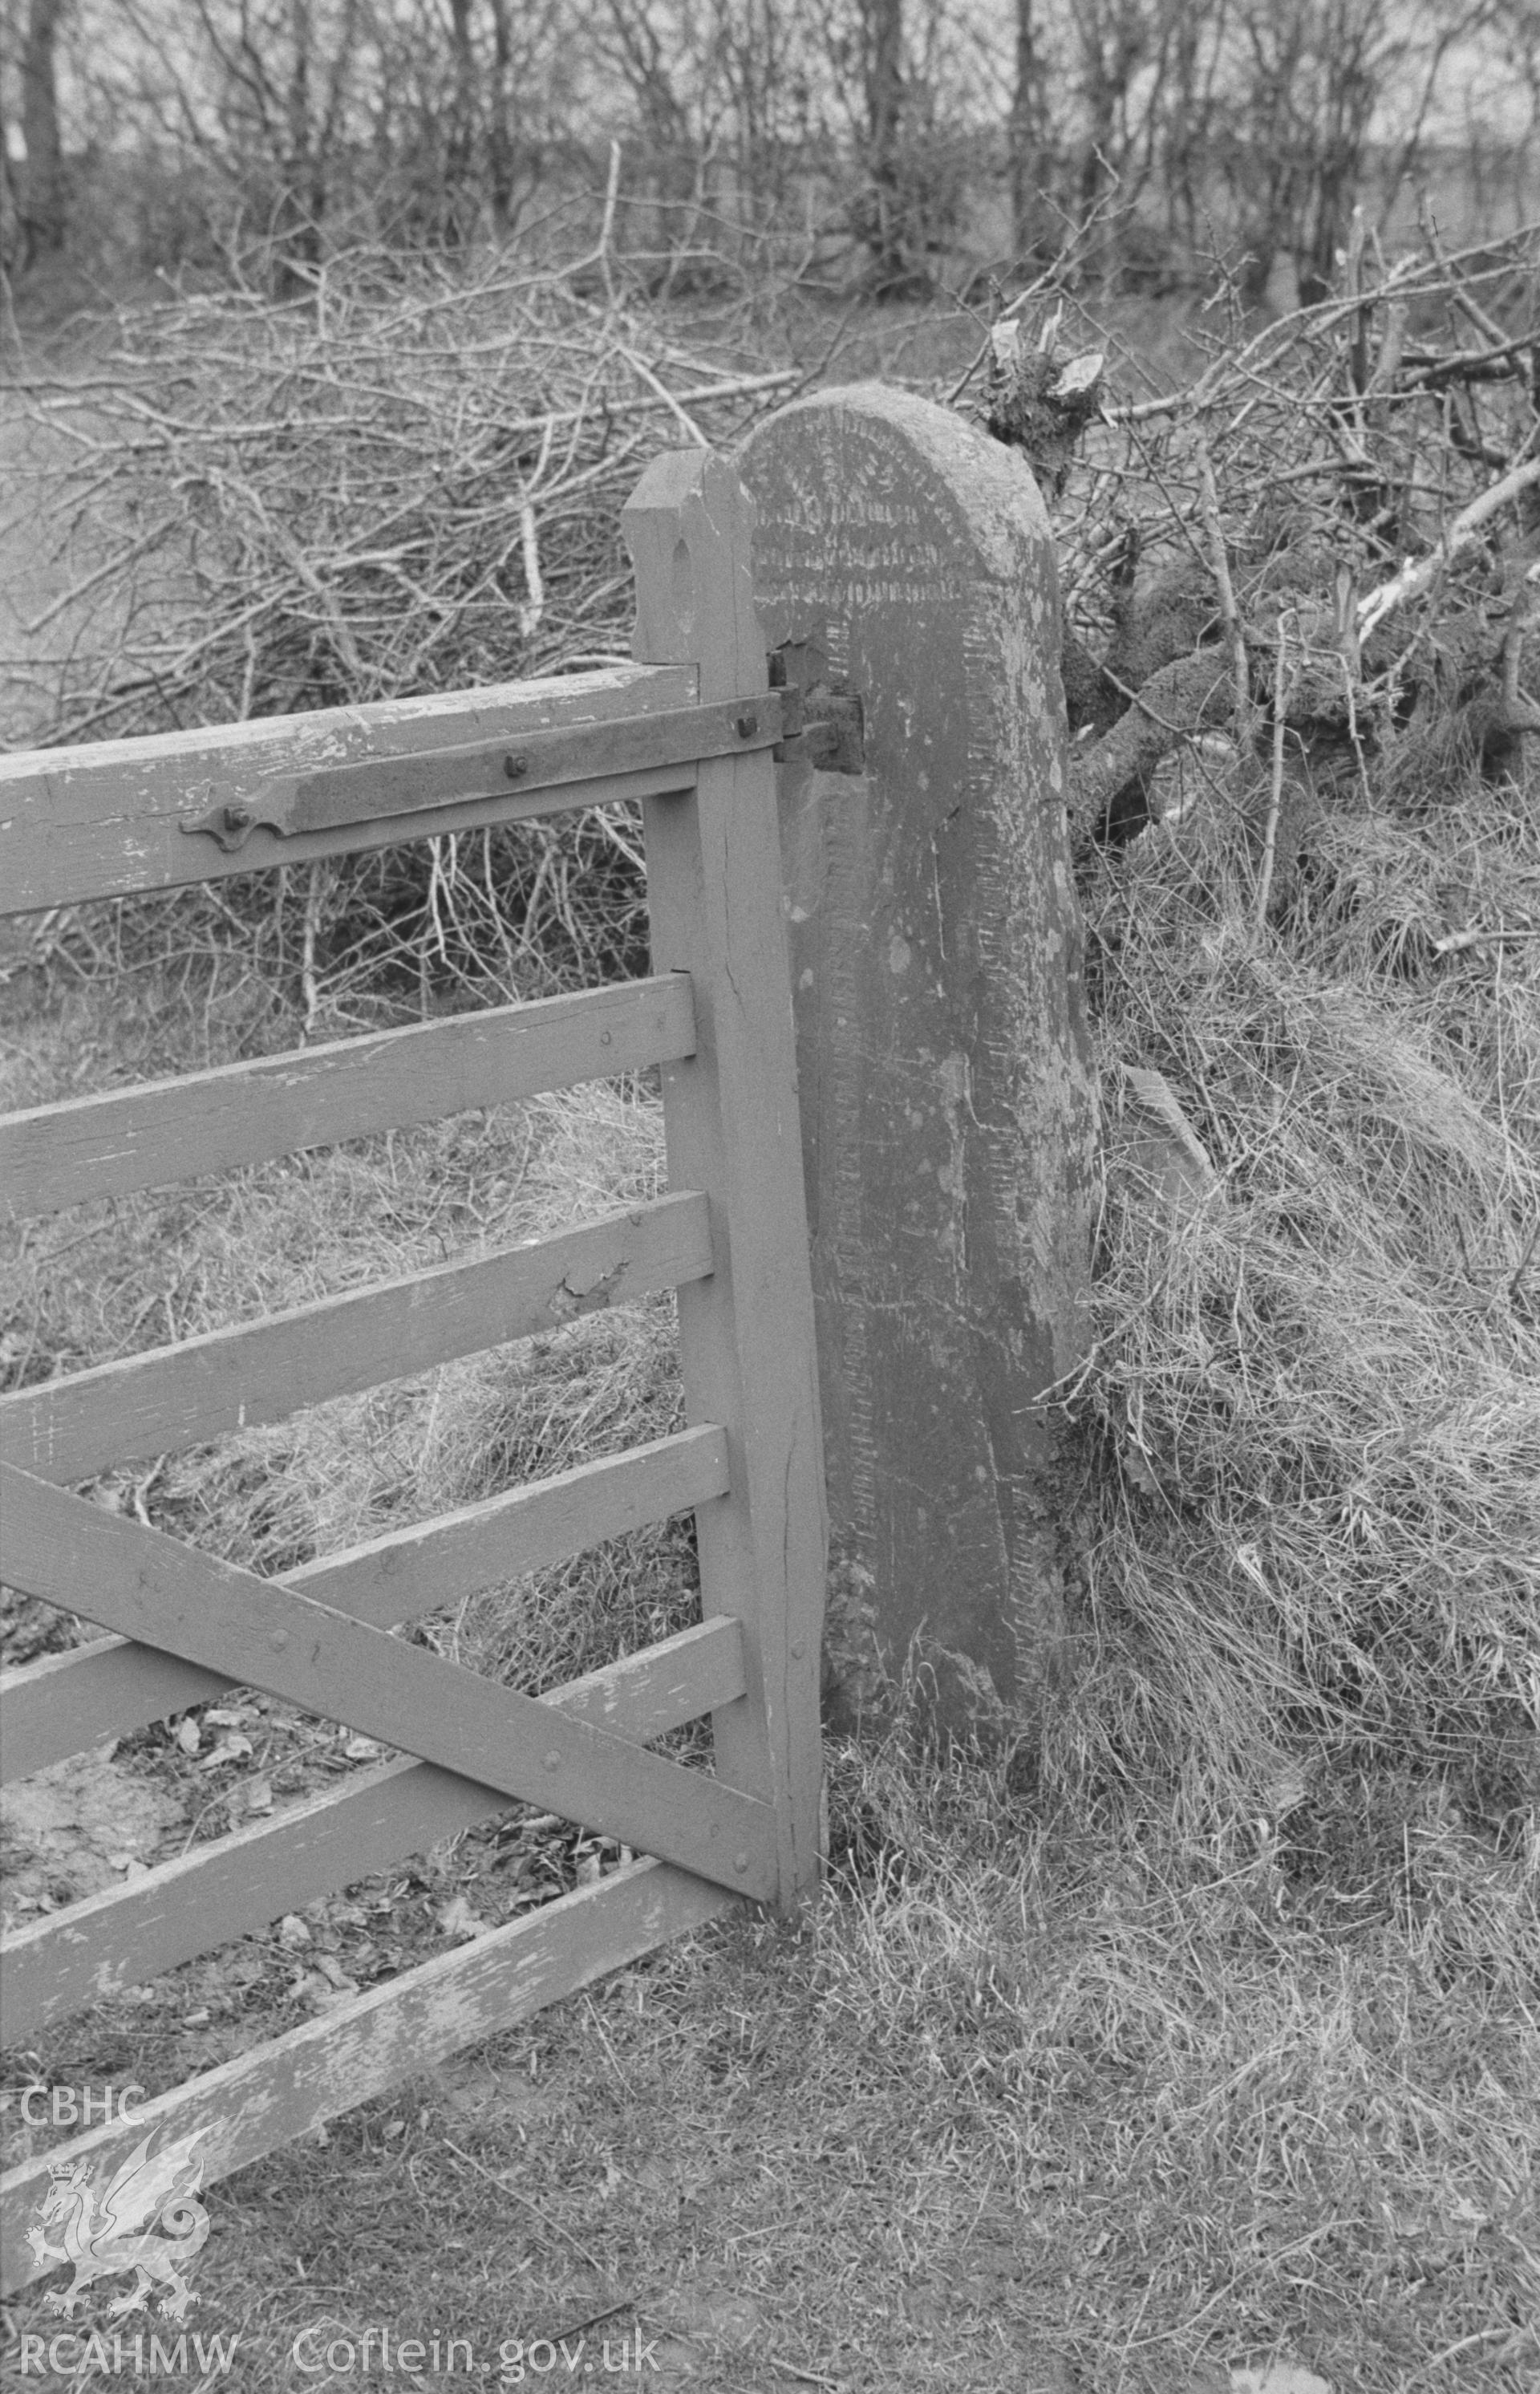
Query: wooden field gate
(688, 731)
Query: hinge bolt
(747, 726)
(516, 767)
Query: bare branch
(1422, 573)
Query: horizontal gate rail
(65, 1703)
(161, 1131)
(175, 1397)
(127, 1934)
(178, 807)
(69, 1552)
(340, 796)
(251, 2107)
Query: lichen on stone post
(903, 560)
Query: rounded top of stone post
(828, 440)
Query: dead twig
(1208, 503)
(1420, 574)
(1275, 798)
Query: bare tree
(1194, 105)
(499, 127)
(882, 78)
(1309, 77)
(259, 91)
(1025, 129)
(1116, 40)
(41, 205)
(1332, 164)
(906, 147)
(286, 128)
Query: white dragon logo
(103, 2238)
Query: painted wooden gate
(688, 731)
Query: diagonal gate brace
(146, 1586)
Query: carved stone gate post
(903, 560)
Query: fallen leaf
(258, 1795)
(1079, 375)
(292, 1932)
(190, 1737)
(1138, 1470)
(229, 1749)
(312, 1988)
(456, 1919)
(334, 1999)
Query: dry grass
(1221, 2043)
(1267, 2127)
(120, 1276)
(1313, 1543)
(1012, 2100)
(1216, 2042)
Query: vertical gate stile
(731, 1121)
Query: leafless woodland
(891, 143)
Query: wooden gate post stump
(903, 559)
(731, 1115)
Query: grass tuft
(1311, 1541)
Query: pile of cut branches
(410, 482)
(1324, 552)
(1299, 591)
